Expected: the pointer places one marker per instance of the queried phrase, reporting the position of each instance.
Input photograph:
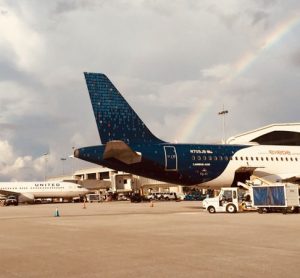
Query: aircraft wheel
(211, 209)
(231, 208)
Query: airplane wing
(7, 192)
(121, 151)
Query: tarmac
(170, 239)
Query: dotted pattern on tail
(115, 119)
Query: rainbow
(239, 67)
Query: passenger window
(236, 158)
(262, 159)
(241, 158)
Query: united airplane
(28, 191)
(129, 146)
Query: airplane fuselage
(33, 190)
(210, 165)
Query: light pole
(223, 114)
(63, 159)
(73, 161)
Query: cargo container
(277, 197)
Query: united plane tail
(115, 119)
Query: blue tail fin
(116, 120)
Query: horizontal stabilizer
(121, 151)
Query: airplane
(28, 191)
(129, 146)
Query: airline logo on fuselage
(47, 184)
(280, 152)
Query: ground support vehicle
(277, 197)
(194, 196)
(11, 201)
(138, 198)
(227, 201)
(162, 196)
(94, 198)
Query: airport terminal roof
(274, 134)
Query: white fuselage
(272, 163)
(43, 189)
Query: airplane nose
(76, 153)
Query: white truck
(277, 197)
(228, 200)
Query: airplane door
(170, 158)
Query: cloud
(169, 59)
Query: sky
(178, 63)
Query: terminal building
(287, 134)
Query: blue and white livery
(129, 146)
